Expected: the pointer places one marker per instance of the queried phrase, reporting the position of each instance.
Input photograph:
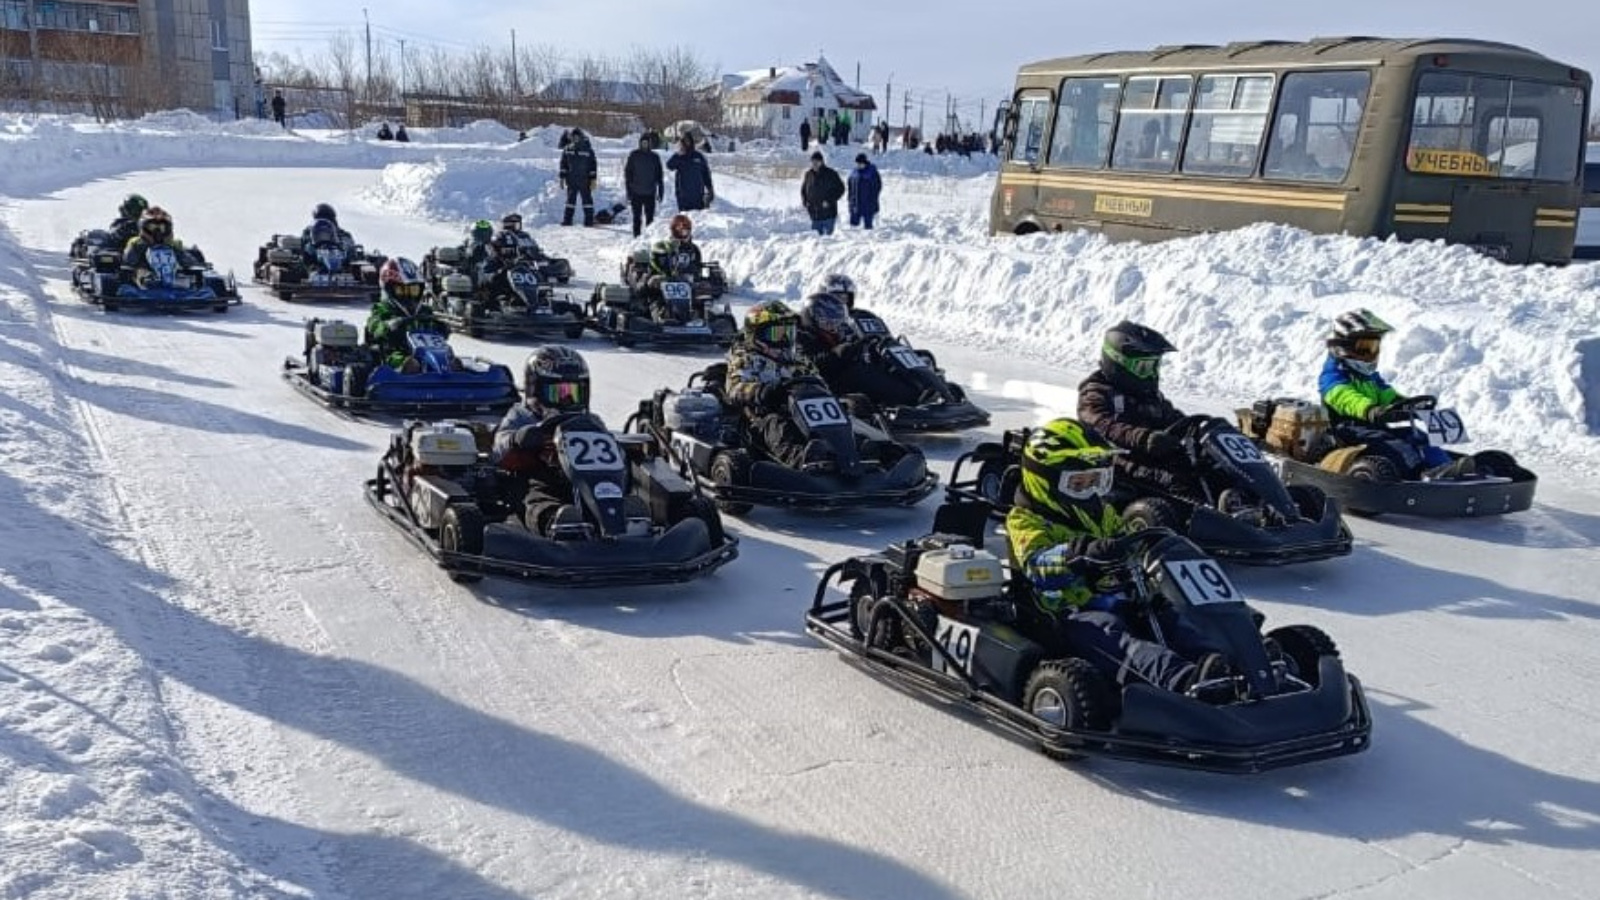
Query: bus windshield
(1490, 126)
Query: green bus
(1470, 142)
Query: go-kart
(939, 617)
(714, 443)
(905, 386)
(632, 519)
(337, 370)
(676, 312)
(516, 301)
(333, 271)
(1246, 514)
(1380, 468)
(179, 279)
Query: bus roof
(1320, 50)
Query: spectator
(864, 187)
(279, 107)
(578, 175)
(566, 138)
(645, 183)
(841, 129)
(400, 134)
(522, 136)
(820, 192)
(384, 134)
(805, 135)
(691, 180)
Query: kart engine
(958, 574)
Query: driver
(675, 259)
(398, 311)
(126, 225)
(324, 212)
(762, 364)
(555, 383)
(504, 254)
(155, 230)
(1355, 394)
(1123, 402)
(1062, 534)
(322, 232)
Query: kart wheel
(461, 531)
(706, 511)
(1376, 469)
(1068, 693)
(573, 331)
(1152, 512)
(1309, 499)
(220, 307)
(1303, 646)
(311, 335)
(286, 295)
(731, 468)
(860, 406)
(864, 594)
(1496, 463)
(355, 380)
(991, 482)
(563, 279)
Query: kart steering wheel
(1415, 404)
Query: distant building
(600, 91)
(174, 53)
(775, 100)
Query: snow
(221, 676)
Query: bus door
(1494, 218)
(1027, 127)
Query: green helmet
(133, 206)
(1131, 355)
(1065, 463)
(482, 231)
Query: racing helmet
(482, 231)
(641, 257)
(133, 206)
(155, 226)
(511, 221)
(771, 325)
(401, 281)
(323, 231)
(556, 379)
(1065, 464)
(1131, 357)
(1356, 338)
(839, 285)
(681, 228)
(826, 317)
(325, 211)
(506, 245)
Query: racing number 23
(589, 452)
(1202, 581)
(821, 411)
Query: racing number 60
(821, 411)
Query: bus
(1471, 142)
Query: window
(71, 17)
(1153, 110)
(1084, 118)
(219, 41)
(1591, 178)
(786, 111)
(816, 91)
(1033, 113)
(14, 15)
(1487, 126)
(1230, 115)
(1314, 136)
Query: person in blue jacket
(691, 179)
(864, 186)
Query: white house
(775, 100)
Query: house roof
(622, 93)
(790, 86)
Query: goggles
(157, 227)
(1364, 349)
(511, 223)
(1145, 367)
(563, 394)
(407, 290)
(776, 333)
(1081, 484)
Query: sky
(934, 48)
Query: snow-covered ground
(222, 677)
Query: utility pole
(922, 115)
(402, 71)
(33, 53)
(369, 52)
(888, 96)
(905, 114)
(516, 86)
(858, 76)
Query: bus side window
(1313, 137)
(1032, 115)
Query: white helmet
(839, 285)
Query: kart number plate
(821, 411)
(523, 278)
(1202, 581)
(1240, 449)
(592, 452)
(907, 357)
(676, 290)
(427, 340)
(871, 325)
(960, 641)
(1444, 426)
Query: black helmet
(325, 211)
(827, 319)
(506, 244)
(1131, 357)
(511, 221)
(556, 379)
(133, 206)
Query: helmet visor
(1081, 484)
(411, 290)
(157, 228)
(1143, 367)
(1365, 349)
(775, 333)
(563, 394)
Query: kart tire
(1152, 512)
(860, 406)
(993, 477)
(220, 307)
(731, 468)
(703, 509)
(1303, 646)
(355, 380)
(865, 593)
(1309, 499)
(461, 531)
(573, 331)
(1068, 693)
(563, 279)
(286, 295)
(1376, 469)
(1496, 463)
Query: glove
(593, 182)
(141, 277)
(1162, 446)
(1378, 412)
(1106, 548)
(770, 395)
(563, 184)
(710, 197)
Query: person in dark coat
(864, 187)
(401, 136)
(279, 105)
(805, 135)
(578, 172)
(384, 134)
(692, 177)
(645, 183)
(820, 192)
